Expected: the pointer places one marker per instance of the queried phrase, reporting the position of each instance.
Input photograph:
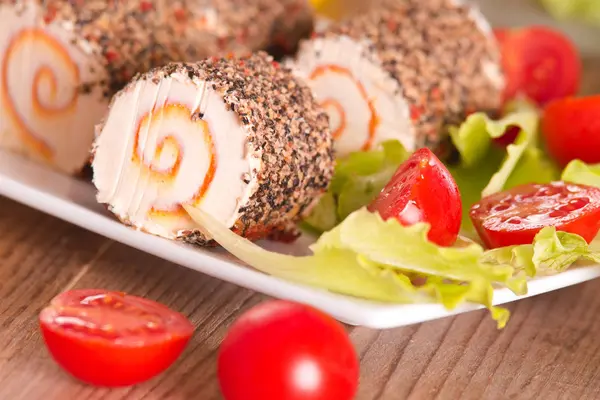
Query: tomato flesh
(540, 63)
(422, 190)
(515, 216)
(571, 129)
(284, 350)
(509, 137)
(112, 339)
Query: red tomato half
(539, 63)
(515, 216)
(112, 339)
(281, 350)
(422, 190)
(571, 129)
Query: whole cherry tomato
(422, 190)
(538, 62)
(515, 216)
(283, 350)
(571, 128)
(112, 339)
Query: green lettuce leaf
(385, 261)
(362, 257)
(579, 172)
(552, 252)
(534, 166)
(486, 168)
(323, 216)
(358, 179)
(334, 269)
(584, 10)
(471, 181)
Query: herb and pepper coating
(240, 138)
(403, 70)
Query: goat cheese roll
(62, 60)
(402, 71)
(241, 138)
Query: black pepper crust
(286, 129)
(435, 50)
(131, 36)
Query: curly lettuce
(579, 172)
(358, 179)
(384, 261)
(486, 168)
(552, 252)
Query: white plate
(73, 201)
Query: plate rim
(350, 310)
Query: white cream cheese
(44, 114)
(140, 184)
(344, 79)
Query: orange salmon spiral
(37, 67)
(166, 150)
(334, 107)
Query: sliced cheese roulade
(50, 94)
(242, 139)
(62, 60)
(402, 71)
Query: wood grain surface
(549, 350)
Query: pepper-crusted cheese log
(61, 60)
(403, 71)
(243, 139)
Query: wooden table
(549, 350)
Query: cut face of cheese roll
(242, 139)
(62, 60)
(403, 71)
(49, 92)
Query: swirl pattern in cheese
(159, 150)
(336, 106)
(364, 102)
(167, 142)
(50, 89)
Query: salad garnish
(385, 261)
(357, 180)
(483, 168)
(579, 172)
(379, 220)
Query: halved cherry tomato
(571, 128)
(540, 63)
(284, 350)
(112, 339)
(515, 216)
(422, 190)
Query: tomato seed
(558, 214)
(580, 202)
(502, 207)
(514, 221)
